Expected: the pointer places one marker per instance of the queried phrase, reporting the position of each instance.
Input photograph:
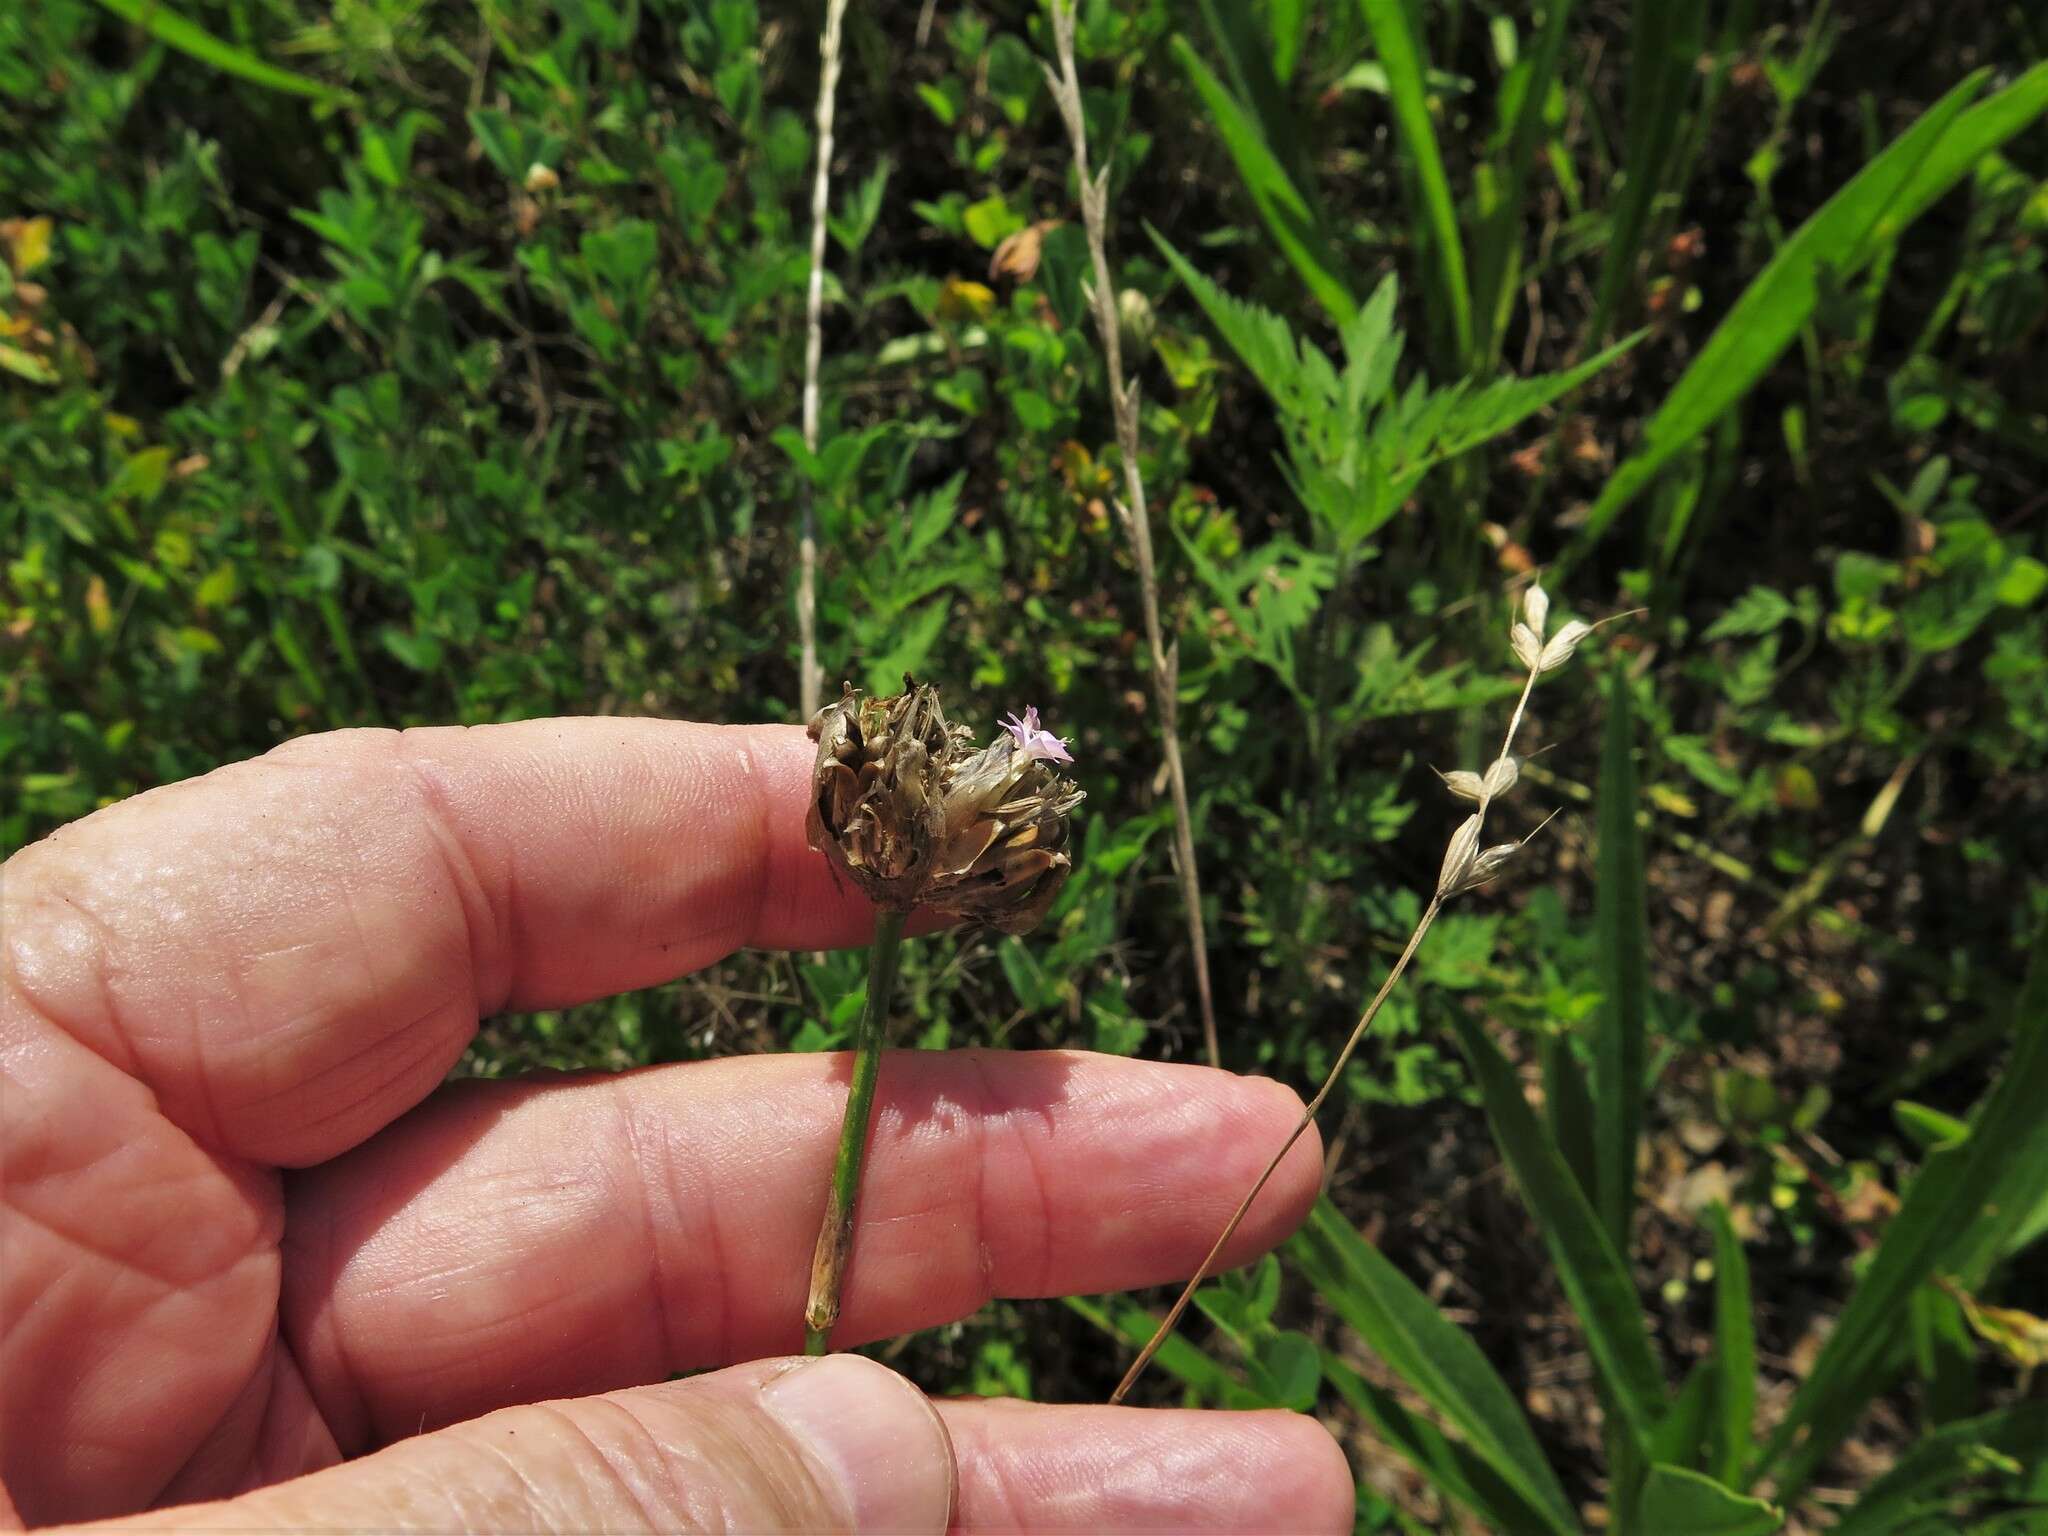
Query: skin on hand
(249, 1235)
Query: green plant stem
(835, 1233)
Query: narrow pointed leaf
(1921, 1483)
(1301, 238)
(1619, 1048)
(1455, 1470)
(1954, 1212)
(1593, 1275)
(1429, 1352)
(1734, 1413)
(193, 40)
(1402, 55)
(1764, 320)
(1675, 1502)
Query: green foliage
(384, 364)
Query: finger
(1032, 1467)
(292, 951)
(834, 1444)
(509, 1241)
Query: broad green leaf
(1454, 1469)
(1432, 1354)
(1777, 303)
(1593, 1275)
(1280, 203)
(1957, 1215)
(1675, 1502)
(1401, 54)
(1285, 1367)
(193, 40)
(1620, 1049)
(1734, 1407)
(1922, 1482)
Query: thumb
(838, 1443)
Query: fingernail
(872, 1435)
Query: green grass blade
(2001, 1167)
(1301, 238)
(1593, 1274)
(1734, 1412)
(1675, 1502)
(1185, 1362)
(1453, 1469)
(1500, 225)
(1976, 133)
(1245, 46)
(1667, 37)
(1622, 939)
(1920, 1482)
(1764, 320)
(1402, 55)
(1568, 1106)
(1432, 1354)
(1680, 1437)
(193, 40)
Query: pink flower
(1034, 741)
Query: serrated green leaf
(1758, 611)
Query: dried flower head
(875, 792)
(1003, 856)
(911, 809)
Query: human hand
(247, 1235)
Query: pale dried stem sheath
(1465, 866)
(1132, 510)
(811, 677)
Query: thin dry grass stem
(1467, 865)
(1308, 1115)
(811, 677)
(1132, 511)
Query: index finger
(292, 951)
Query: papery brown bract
(1003, 856)
(875, 792)
(915, 813)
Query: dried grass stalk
(1132, 511)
